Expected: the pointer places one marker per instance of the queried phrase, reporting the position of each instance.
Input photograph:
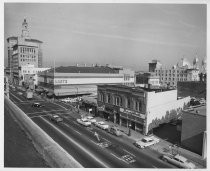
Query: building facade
(183, 71)
(138, 108)
(75, 80)
(22, 51)
(30, 71)
(193, 134)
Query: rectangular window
(128, 103)
(118, 101)
(108, 98)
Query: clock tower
(25, 32)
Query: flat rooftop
(83, 69)
(197, 110)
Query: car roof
(55, 116)
(147, 138)
(101, 122)
(180, 158)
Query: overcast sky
(129, 35)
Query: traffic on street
(91, 146)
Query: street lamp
(129, 130)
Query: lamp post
(129, 130)
(77, 100)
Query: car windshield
(146, 140)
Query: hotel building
(180, 72)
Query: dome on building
(184, 63)
(195, 61)
(203, 62)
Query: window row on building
(28, 60)
(27, 49)
(117, 100)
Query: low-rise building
(140, 108)
(193, 134)
(75, 80)
(29, 71)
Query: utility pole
(54, 79)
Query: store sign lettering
(60, 81)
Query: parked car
(37, 105)
(56, 118)
(91, 119)
(115, 131)
(20, 93)
(146, 142)
(102, 125)
(202, 101)
(179, 161)
(84, 122)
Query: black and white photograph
(104, 84)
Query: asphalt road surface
(80, 142)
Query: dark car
(37, 105)
(56, 118)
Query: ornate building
(183, 71)
(22, 51)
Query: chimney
(85, 65)
(77, 65)
(93, 65)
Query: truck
(29, 95)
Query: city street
(80, 142)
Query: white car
(179, 161)
(146, 142)
(102, 125)
(84, 122)
(91, 119)
(20, 93)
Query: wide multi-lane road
(80, 142)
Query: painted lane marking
(106, 140)
(46, 111)
(128, 158)
(16, 97)
(72, 128)
(119, 158)
(94, 142)
(60, 106)
(129, 152)
(154, 166)
(77, 144)
(38, 116)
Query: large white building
(183, 71)
(23, 50)
(73, 80)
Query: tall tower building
(23, 50)
(25, 32)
